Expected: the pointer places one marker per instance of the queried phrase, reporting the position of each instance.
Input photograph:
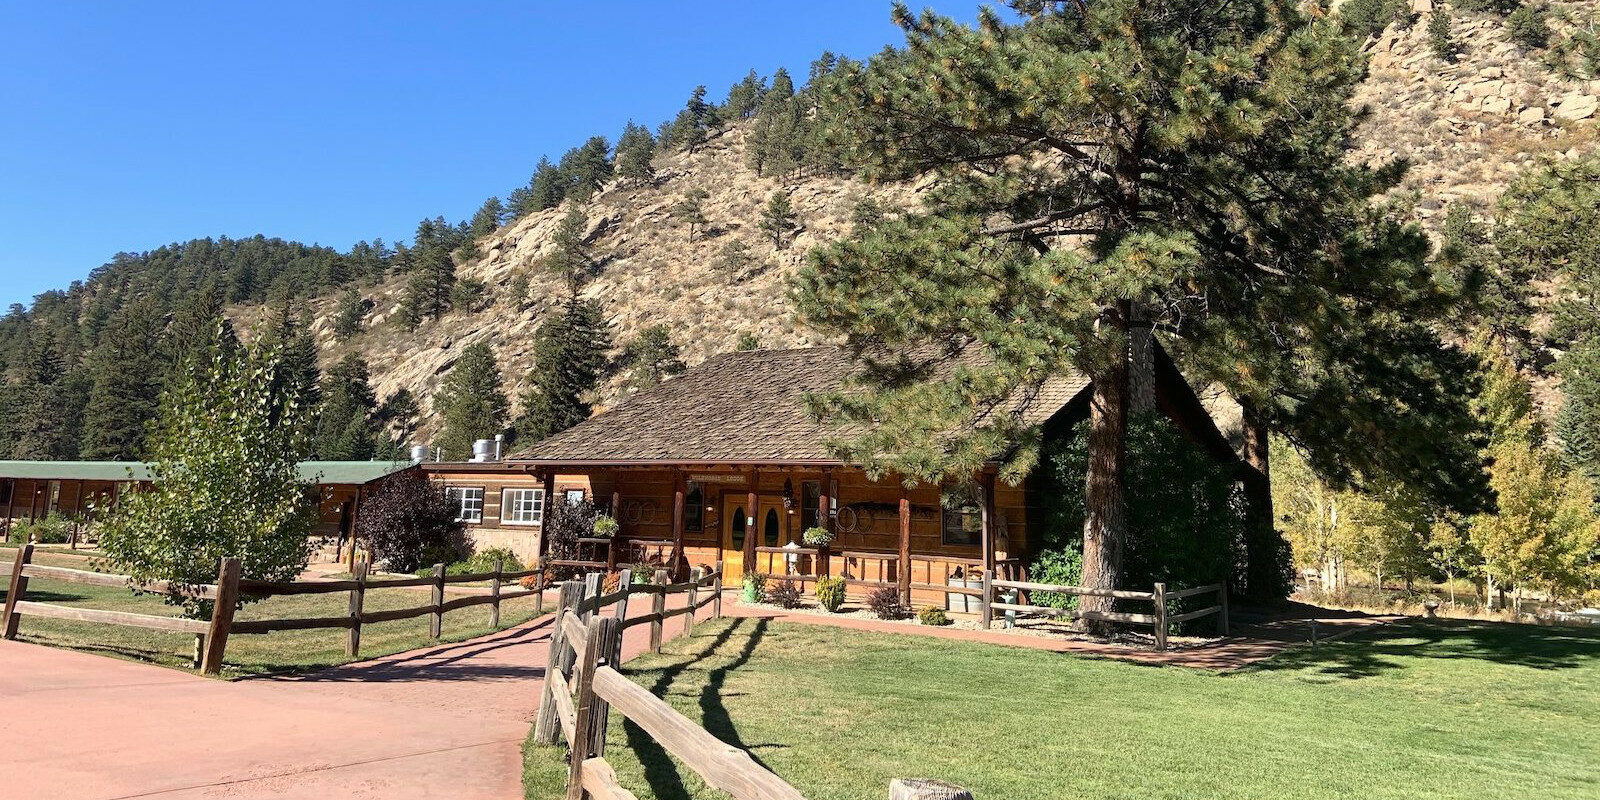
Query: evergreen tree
(587, 167)
(569, 357)
(471, 403)
(399, 415)
(569, 255)
(433, 277)
(744, 97)
(192, 333)
(778, 219)
(42, 426)
(690, 210)
(635, 149)
(1496, 290)
(1101, 169)
(688, 130)
(652, 357)
(1578, 422)
(488, 219)
(296, 351)
(126, 371)
(1528, 26)
(546, 189)
(349, 314)
(773, 144)
(1440, 40)
(347, 426)
(734, 260)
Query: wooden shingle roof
(740, 408)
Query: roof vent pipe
(499, 444)
(419, 453)
(482, 450)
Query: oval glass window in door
(770, 528)
(736, 530)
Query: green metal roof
(321, 472)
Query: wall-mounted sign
(717, 477)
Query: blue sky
(131, 125)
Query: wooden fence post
(609, 643)
(658, 606)
(693, 595)
(716, 588)
(539, 587)
(1222, 617)
(624, 585)
(1159, 597)
(593, 585)
(923, 789)
(17, 588)
(436, 619)
(585, 707)
(358, 599)
(221, 616)
(547, 725)
(494, 591)
(985, 610)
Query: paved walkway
(442, 722)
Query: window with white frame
(468, 501)
(522, 506)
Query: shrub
(564, 524)
(483, 560)
(784, 594)
(933, 615)
(50, 530)
(885, 603)
(830, 593)
(1527, 27)
(1365, 18)
(409, 523)
(1063, 567)
(817, 536)
(606, 527)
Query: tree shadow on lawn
(1372, 652)
(47, 596)
(660, 772)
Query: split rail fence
(212, 635)
(996, 591)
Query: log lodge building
(725, 464)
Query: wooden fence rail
(583, 684)
(212, 635)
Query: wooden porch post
(905, 544)
(750, 532)
(987, 518)
(824, 559)
(677, 520)
(549, 503)
(616, 538)
(355, 517)
(11, 505)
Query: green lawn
(252, 654)
(1440, 709)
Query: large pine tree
(472, 402)
(125, 390)
(569, 359)
(1101, 170)
(347, 427)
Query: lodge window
(574, 497)
(963, 516)
(810, 497)
(468, 501)
(522, 506)
(771, 528)
(694, 511)
(736, 529)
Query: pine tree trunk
(1105, 526)
(1141, 360)
(1261, 534)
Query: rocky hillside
(1467, 126)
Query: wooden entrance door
(771, 530)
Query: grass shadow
(660, 771)
(1372, 652)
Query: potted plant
(817, 536)
(606, 527)
(754, 583)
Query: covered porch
(927, 541)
